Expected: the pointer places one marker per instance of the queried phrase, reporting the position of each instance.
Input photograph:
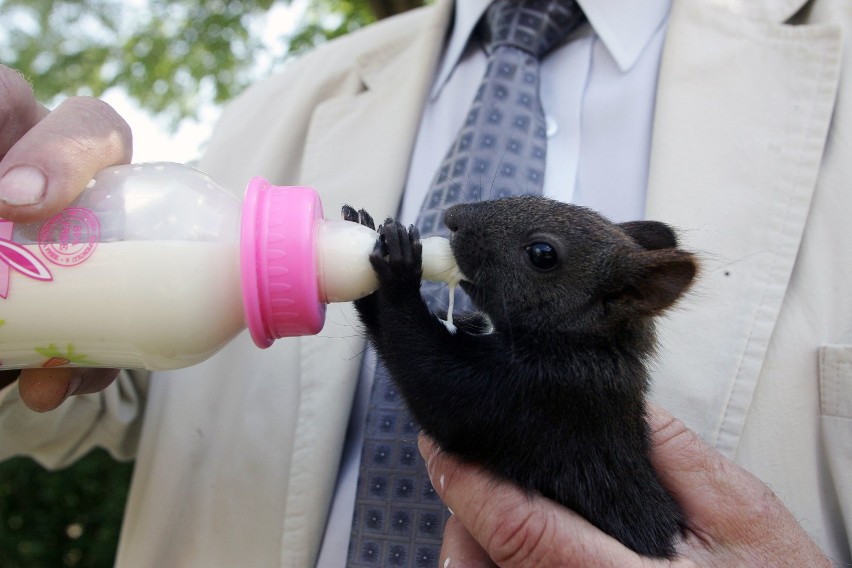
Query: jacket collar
(395, 80)
(776, 11)
(624, 30)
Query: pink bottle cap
(277, 261)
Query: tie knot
(534, 26)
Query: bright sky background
(151, 138)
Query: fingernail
(447, 563)
(23, 185)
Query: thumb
(701, 479)
(688, 467)
(729, 510)
(515, 529)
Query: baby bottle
(157, 266)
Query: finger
(416, 245)
(19, 110)
(366, 219)
(390, 232)
(414, 233)
(407, 245)
(517, 529)
(360, 216)
(45, 389)
(53, 161)
(349, 213)
(460, 549)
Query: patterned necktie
(500, 151)
(501, 148)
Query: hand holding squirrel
(551, 394)
(733, 519)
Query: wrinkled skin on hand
(734, 518)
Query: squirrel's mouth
(464, 271)
(468, 287)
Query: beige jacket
(752, 159)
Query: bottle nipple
(345, 273)
(294, 262)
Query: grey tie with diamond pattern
(501, 148)
(500, 151)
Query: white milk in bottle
(157, 266)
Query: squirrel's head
(533, 262)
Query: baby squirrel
(546, 386)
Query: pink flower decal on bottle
(13, 255)
(58, 358)
(23, 260)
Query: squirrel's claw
(360, 216)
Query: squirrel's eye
(542, 256)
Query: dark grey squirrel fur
(552, 397)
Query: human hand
(735, 520)
(46, 159)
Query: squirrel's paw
(397, 256)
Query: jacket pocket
(835, 376)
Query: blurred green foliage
(69, 518)
(171, 56)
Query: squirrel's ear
(657, 278)
(651, 235)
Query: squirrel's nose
(452, 218)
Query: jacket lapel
(743, 108)
(344, 158)
(364, 167)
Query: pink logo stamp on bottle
(70, 237)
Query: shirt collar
(625, 28)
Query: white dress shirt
(598, 92)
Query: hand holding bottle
(158, 266)
(169, 238)
(48, 157)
